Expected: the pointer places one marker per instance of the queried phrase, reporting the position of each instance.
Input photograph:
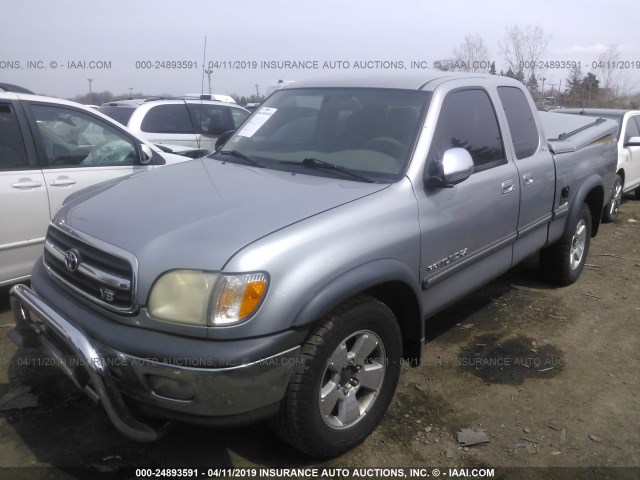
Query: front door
(630, 155)
(467, 231)
(78, 150)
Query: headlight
(184, 296)
(237, 297)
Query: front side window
(356, 133)
(239, 116)
(210, 119)
(632, 129)
(467, 120)
(71, 138)
(522, 125)
(173, 118)
(12, 153)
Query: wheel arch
(389, 281)
(592, 193)
(595, 201)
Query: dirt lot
(550, 374)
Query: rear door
(536, 171)
(24, 206)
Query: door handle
(507, 186)
(527, 178)
(62, 182)
(26, 185)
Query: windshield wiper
(241, 156)
(315, 163)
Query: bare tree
(613, 78)
(472, 55)
(522, 49)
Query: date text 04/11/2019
(569, 64)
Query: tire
(562, 262)
(344, 380)
(610, 213)
(638, 193)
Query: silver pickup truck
(289, 274)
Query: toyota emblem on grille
(72, 259)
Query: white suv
(627, 179)
(50, 148)
(185, 122)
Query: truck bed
(568, 133)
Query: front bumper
(115, 378)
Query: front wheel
(345, 379)
(610, 213)
(563, 261)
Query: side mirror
(147, 154)
(633, 142)
(222, 139)
(456, 166)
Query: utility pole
(90, 94)
(130, 92)
(257, 92)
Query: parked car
(50, 148)
(209, 96)
(121, 110)
(185, 122)
(287, 275)
(252, 106)
(8, 87)
(627, 179)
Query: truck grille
(99, 276)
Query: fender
(584, 194)
(357, 280)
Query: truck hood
(199, 213)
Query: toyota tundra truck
(289, 274)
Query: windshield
(361, 134)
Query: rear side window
(522, 125)
(119, 114)
(167, 119)
(12, 153)
(467, 120)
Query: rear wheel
(344, 381)
(610, 213)
(562, 262)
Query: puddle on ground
(509, 360)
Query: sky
(158, 46)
